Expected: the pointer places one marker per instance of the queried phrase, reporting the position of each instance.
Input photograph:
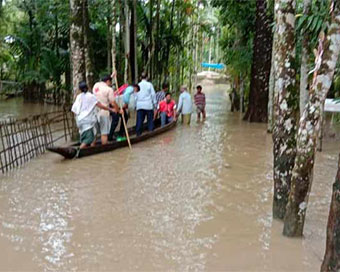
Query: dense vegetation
(171, 39)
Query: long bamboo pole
(123, 115)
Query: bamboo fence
(24, 139)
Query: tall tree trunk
(241, 94)
(284, 115)
(218, 37)
(108, 44)
(156, 43)
(89, 70)
(271, 91)
(178, 53)
(56, 93)
(127, 41)
(195, 59)
(168, 47)
(121, 42)
(259, 84)
(328, 53)
(77, 43)
(304, 61)
(133, 42)
(271, 87)
(151, 41)
(113, 33)
(202, 50)
(190, 53)
(331, 260)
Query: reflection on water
(195, 198)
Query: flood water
(197, 198)
(16, 108)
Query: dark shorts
(87, 137)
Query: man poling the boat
(84, 108)
(123, 95)
(104, 94)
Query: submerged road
(196, 198)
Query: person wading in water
(200, 103)
(185, 105)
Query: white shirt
(185, 103)
(146, 97)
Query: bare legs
(199, 116)
(104, 139)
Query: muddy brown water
(197, 198)
(16, 108)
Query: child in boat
(167, 110)
(200, 103)
(86, 117)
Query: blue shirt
(146, 97)
(185, 103)
(127, 94)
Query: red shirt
(169, 108)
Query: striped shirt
(199, 99)
(160, 96)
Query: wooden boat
(73, 151)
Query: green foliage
(36, 52)
(34, 39)
(314, 22)
(236, 41)
(237, 55)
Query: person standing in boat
(185, 105)
(167, 110)
(145, 104)
(160, 95)
(84, 108)
(104, 94)
(125, 107)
